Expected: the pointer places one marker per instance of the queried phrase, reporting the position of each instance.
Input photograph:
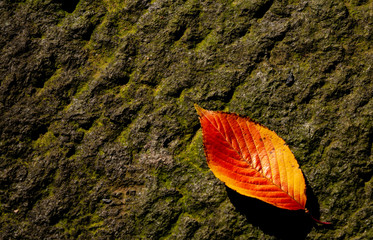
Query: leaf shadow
(281, 223)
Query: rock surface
(100, 140)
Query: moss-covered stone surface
(100, 140)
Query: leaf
(252, 159)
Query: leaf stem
(316, 220)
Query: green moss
(210, 42)
(192, 154)
(45, 140)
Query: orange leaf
(252, 159)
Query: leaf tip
(199, 109)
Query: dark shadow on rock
(68, 6)
(312, 203)
(313, 206)
(281, 223)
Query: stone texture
(100, 140)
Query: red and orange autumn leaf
(252, 159)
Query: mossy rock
(100, 140)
